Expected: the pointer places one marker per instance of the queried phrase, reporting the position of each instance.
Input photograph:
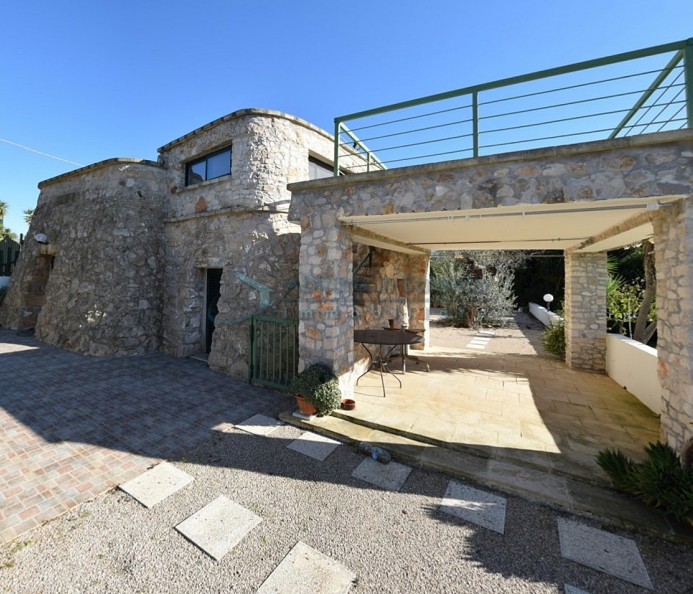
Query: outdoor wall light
(548, 298)
(41, 238)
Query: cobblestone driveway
(73, 427)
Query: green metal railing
(637, 92)
(273, 351)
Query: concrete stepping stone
(260, 425)
(314, 445)
(603, 551)
(224, 427)
(306, 569)
(475, 506)
(156, 484)
(218, 526)
(387, 476)
(573, 590)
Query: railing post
(475, 122)
(368, 161)
(251, 349)
(688, 73)
(337, 133)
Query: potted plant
(317, 390)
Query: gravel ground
(520, 336)
(393, 542)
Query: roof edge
(94, 167)
(246, 112)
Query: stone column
(585, 311)
(326, 305)
(673, 227)
(418, 295)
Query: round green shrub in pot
(319, 386)
(327, 397)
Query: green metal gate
(273, 351)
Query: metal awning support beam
(642, 218)
(371, 238)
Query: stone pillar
(585, 311)
(419, 295)
(326, 305)
(673, 227)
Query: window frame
(205, 159)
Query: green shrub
(659, 480)
(553, 339)
(327, 397)
(319, 386)
(475, 289)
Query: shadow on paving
(154, 405)
(159, 407)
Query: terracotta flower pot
(305, 407)
(348, 404)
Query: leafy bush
(553, 339)
(319, 386)
(327, 397)
(659, 480)
(475, 289)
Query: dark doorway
(211, 300)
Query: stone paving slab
(218, 526)
(314, 445)
(260, 425)
(475, 506)
(603, 551)
(306, 569)
(573, 590)
(480, 340)
(387, 476)
(156, 484)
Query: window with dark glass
(209, 167)
(318, 169)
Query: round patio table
(383, 338)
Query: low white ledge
(633, 365)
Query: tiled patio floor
(526, 409)
(72, 427)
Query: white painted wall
(633, 365)
(4, 281)
(542, 314)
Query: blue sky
(89, 80)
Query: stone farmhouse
(244, 216)
(141, 256)
(177, 255)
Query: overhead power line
(26, 148)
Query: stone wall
(674, 260)
(585, 311)
(639, 166)
(130, 244)
(96, 287)
(237, 223)
(392, 279)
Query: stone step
(530, 459)
(561, 491)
